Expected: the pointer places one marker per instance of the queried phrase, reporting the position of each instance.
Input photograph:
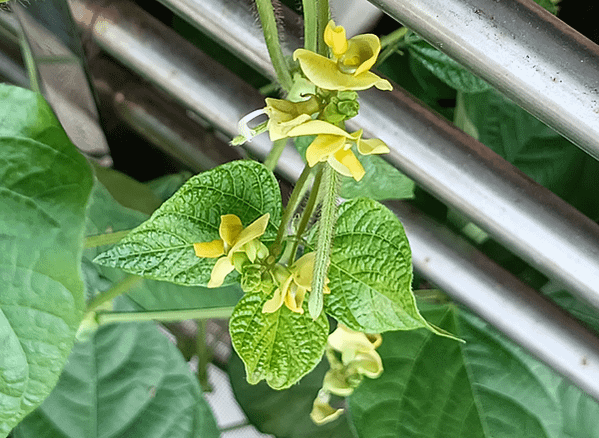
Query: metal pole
(173, 64)
(527, 218)
(538, 61)
(518, 311)
(461, 270)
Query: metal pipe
(173, 64)
(538, 61)
(470, 277)
(537, 225)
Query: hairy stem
(326, 228)
(292, 204)
(271, 36)
(164, 315)
(310, 25)
(204, 356)
(308, 211)
(324, 15)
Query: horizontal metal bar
(537, 60)
(462, 271)
(518, 311)
(175, 67)
(527, 218)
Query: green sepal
(279, 347)
(162, 247)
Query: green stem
(118, 289)
(275, 153)
(310, 25)
(326, 228)
(308, 211)
(30, 64)
(105, 239)
(324, 15)
(394, 37)
(204, 356)
(391, 43)
(292, 204)
(271, 36)
(164, 315)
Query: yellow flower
(350, 68)
(234, 239)
(284, 115)
(333, 145)
(358, 351)
(293, 282)
(322, 412)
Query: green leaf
(279, 347)
(162, 247)
(105, 214)
(381, 182)
(166, 186)
(443, 67)
(285, 413)
(44, 187)
(127, 381)
(532, 146)
(550, 5)
(127, 191)
(486, 388)
(371, 271)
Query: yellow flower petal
(276, 301)
(277, 131)
(346, 163)
(253, 231)
(365, 48)
(222, 268)
(303, 270)
(334, 37)
(325, 73)
(323, 147)
(372, 146)
(212, 249)
(317, 127)
(368, 364)
(284, 115)
(323, 413)
(344, 338)
(294, 298)
(229, 229)
(334, 382)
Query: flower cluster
(293, 283)
(236, 246)
(240, 249)
(323, 112)
(352, 356)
